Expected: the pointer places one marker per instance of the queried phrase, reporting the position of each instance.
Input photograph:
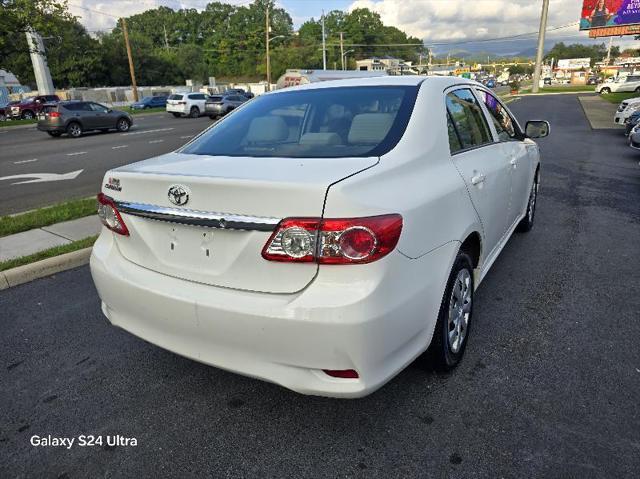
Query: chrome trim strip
(198, 218)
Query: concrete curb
(18, 127)
(46, 267)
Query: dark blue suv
(150, 102)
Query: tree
(597, 53)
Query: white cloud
(438, 20)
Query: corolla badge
(179, 195)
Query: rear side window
(73, 106)
(316, 123)
(468, 120)
(175, 97)
(197, 96)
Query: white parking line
(186, 136)
(118, 147)
(147, 131)
(24, 161)
(77, 153)
(156, 141)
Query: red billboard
(603, 15)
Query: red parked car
(28, 108)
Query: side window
(82, 106)
(468, 119)
(198, 96)
(501, 119)
(98, 107)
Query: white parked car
(621, 84)
(186, 104)
(625, 110)
(322, 237)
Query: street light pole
(541, 34)
(267, 43)
(324, 45)
(342, 49)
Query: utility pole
(342, 49)
(131, 69)
(541, 34)
(39, 62)
(609, 51)
(267, 27)
(324, 45)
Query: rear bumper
(376, 322)
(50, 127)
(182, 109)
(213, 109)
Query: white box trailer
(302, 77)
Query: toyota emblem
(178, 195)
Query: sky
(435, 21)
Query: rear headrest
(370, 128)
(267, 129)
(320, 139)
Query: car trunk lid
(250, 196)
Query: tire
(451, 333)
(605, 91)
(55, 134)
(526, 223)
(213, 117)
(74, 129)
(638, 90)
(177, 115)
(123, 125)
(194, 112)
(28, 115)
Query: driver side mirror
(537, 129)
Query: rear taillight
(182, 103)
(110, 216)
(334, 241)
(54, 114)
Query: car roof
(438, 82)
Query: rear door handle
(476, 180)
(514, 162)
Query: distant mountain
(518, 47)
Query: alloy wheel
(123, 125)
(74, 130)
(459, 310)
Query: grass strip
(619, 97)
(49, 215)
(48, 253)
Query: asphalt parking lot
(26, 151)
(548, 388)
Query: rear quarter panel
(416, 179)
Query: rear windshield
(175, 97)
(318, 123)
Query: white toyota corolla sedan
(321, 237)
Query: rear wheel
(638, 90)
(123, 125)
(55, 134)
(177, 115)
(74, 130)
(213, 117)
(527, 222)
(605, 91)
(454, 319)
(194, 112)
(28, 115)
